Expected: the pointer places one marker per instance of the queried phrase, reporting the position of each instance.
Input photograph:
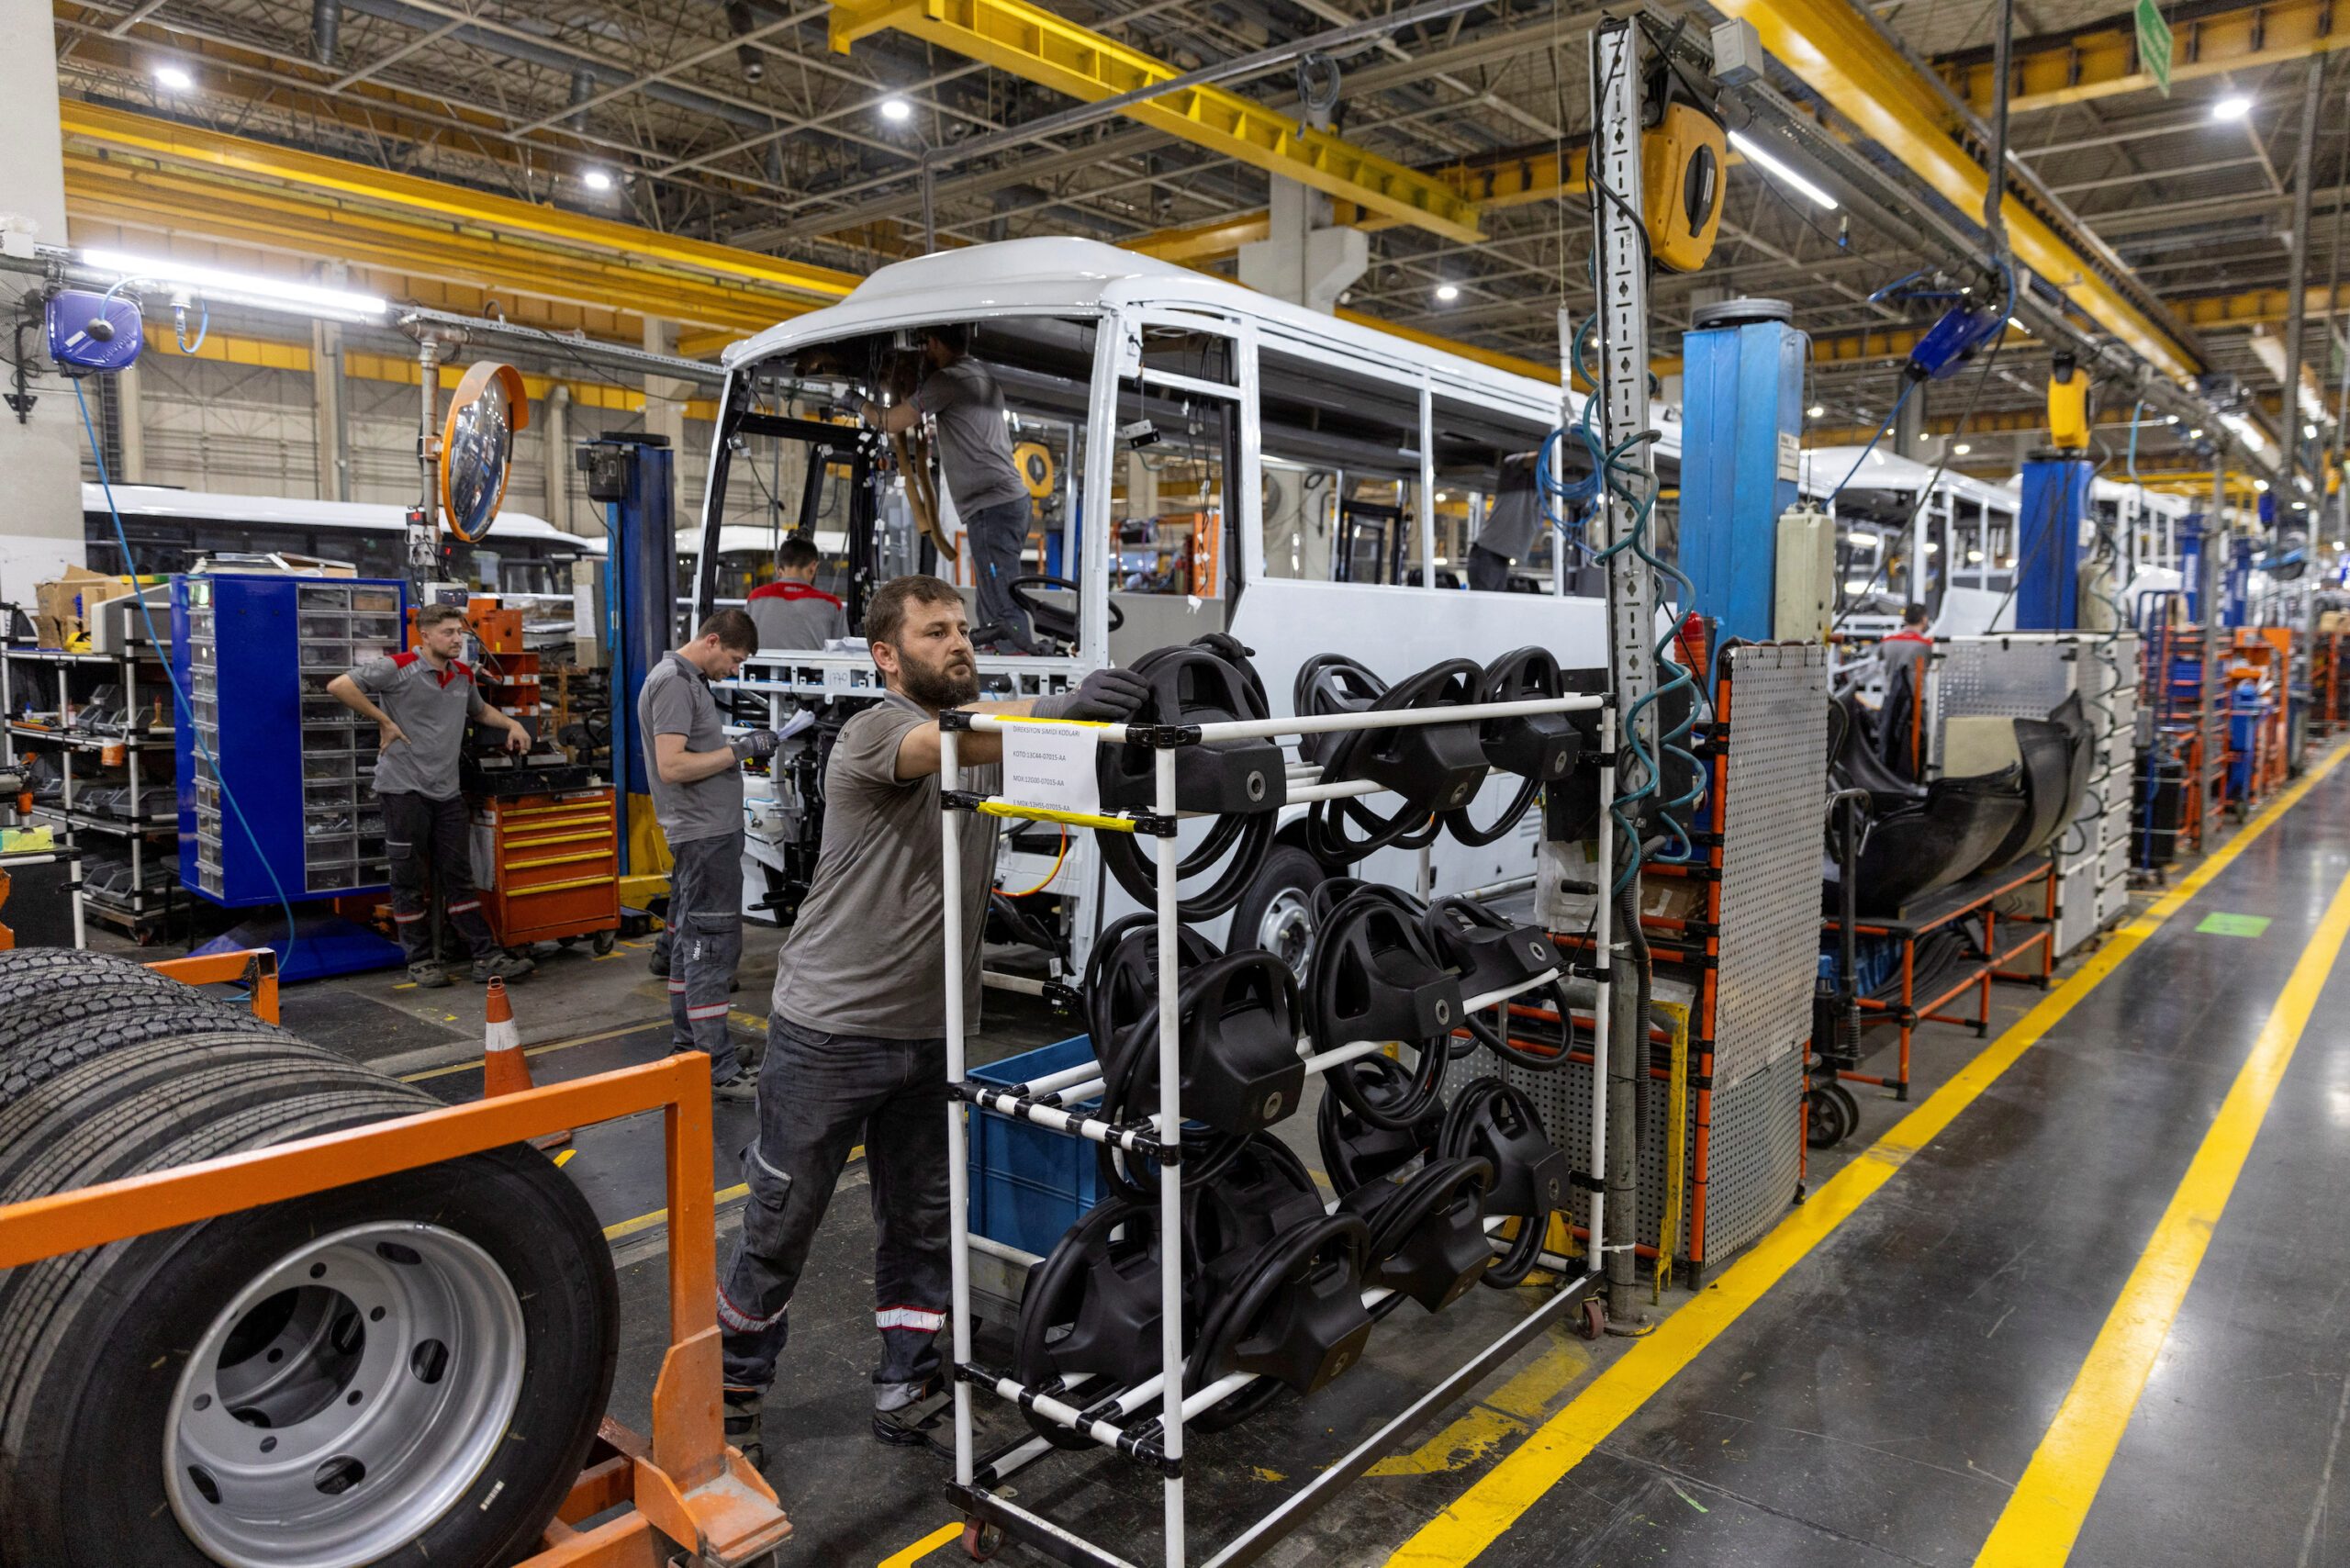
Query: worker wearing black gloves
(856, 1042)
(697, 796)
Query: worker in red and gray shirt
(697, 777)
(421, 701)
(792, 612)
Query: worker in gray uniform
(420, 702)
(1511, 521)
(697, 777)
(856, 1046)
(792, 612)
(961, 397)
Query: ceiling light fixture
(172, 79)
(2235, 105)
(1447, 292)
(896, 109)
(2245, 432)
(595, 179)
(1817, 411)
(240, 288)
(1961, 450)
(1756, 154)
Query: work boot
(742, 1089)
(501, 965)
(427, 974)
(741, 1417)
(899, 1418)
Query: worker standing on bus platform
(857, 1040)
(697, 778)
(792, 612)
(420, 700)
(961, 396)
(1511, 521)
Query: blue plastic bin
(1028, 1183)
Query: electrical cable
(179, 696)
(1909, 384)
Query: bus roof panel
(210, 506)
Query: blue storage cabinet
(1028, 1184)
(255, 654)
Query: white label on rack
(1051, 766)
(1790, 458)
(838, 679)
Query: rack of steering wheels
(1212, 1276)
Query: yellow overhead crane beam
(1839, 55)
(467, 210)
(2101, 61)
(1031, 43)
(1505, 180)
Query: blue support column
(2048, 543)
(1742, 407)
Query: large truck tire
(42, 1038)
(403, 1371)
(27, 974)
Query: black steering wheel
(1054, 621)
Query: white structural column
(664, 407)
(130, 420)
(330, 417)
(554, 440)
(1303, 260)
(41, 530)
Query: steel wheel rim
(1286, 929)
(345, 1399)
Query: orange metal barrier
(686, 1482)
(255, 968)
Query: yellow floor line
(1496, 1500)
(922, 1548)
(614, 1231)
(474, 1065)
(2044, 1515)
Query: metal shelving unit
(94, 765)
(1121, 1422)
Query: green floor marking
(2232, 924)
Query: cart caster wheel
(981, 1541)
(1593, 1321)
(1852, 1108)
(1829, 1120)
(603, 942)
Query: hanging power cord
(179, 696)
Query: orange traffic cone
(504, 1068)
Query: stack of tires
(404, 1370)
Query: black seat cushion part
(1943, 841)
(2046, 753)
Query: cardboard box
(63, 607)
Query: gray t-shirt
(431, 707)
(1516, 512)
(974, 444)
(868, 955)
(675, 700)
(795, 615)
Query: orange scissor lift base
(683, 1489)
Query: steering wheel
(1052, 619)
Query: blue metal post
(2190, 565)
(640, 600)
(2048, 542)
(1743, 403)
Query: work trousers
(820, 1096)
(705, 943)
(994, 535)
(420, 835)
(1488, 569)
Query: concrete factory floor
(1874, 1381)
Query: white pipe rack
(1165, 1446)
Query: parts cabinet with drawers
(547, 866)
(255, 653)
